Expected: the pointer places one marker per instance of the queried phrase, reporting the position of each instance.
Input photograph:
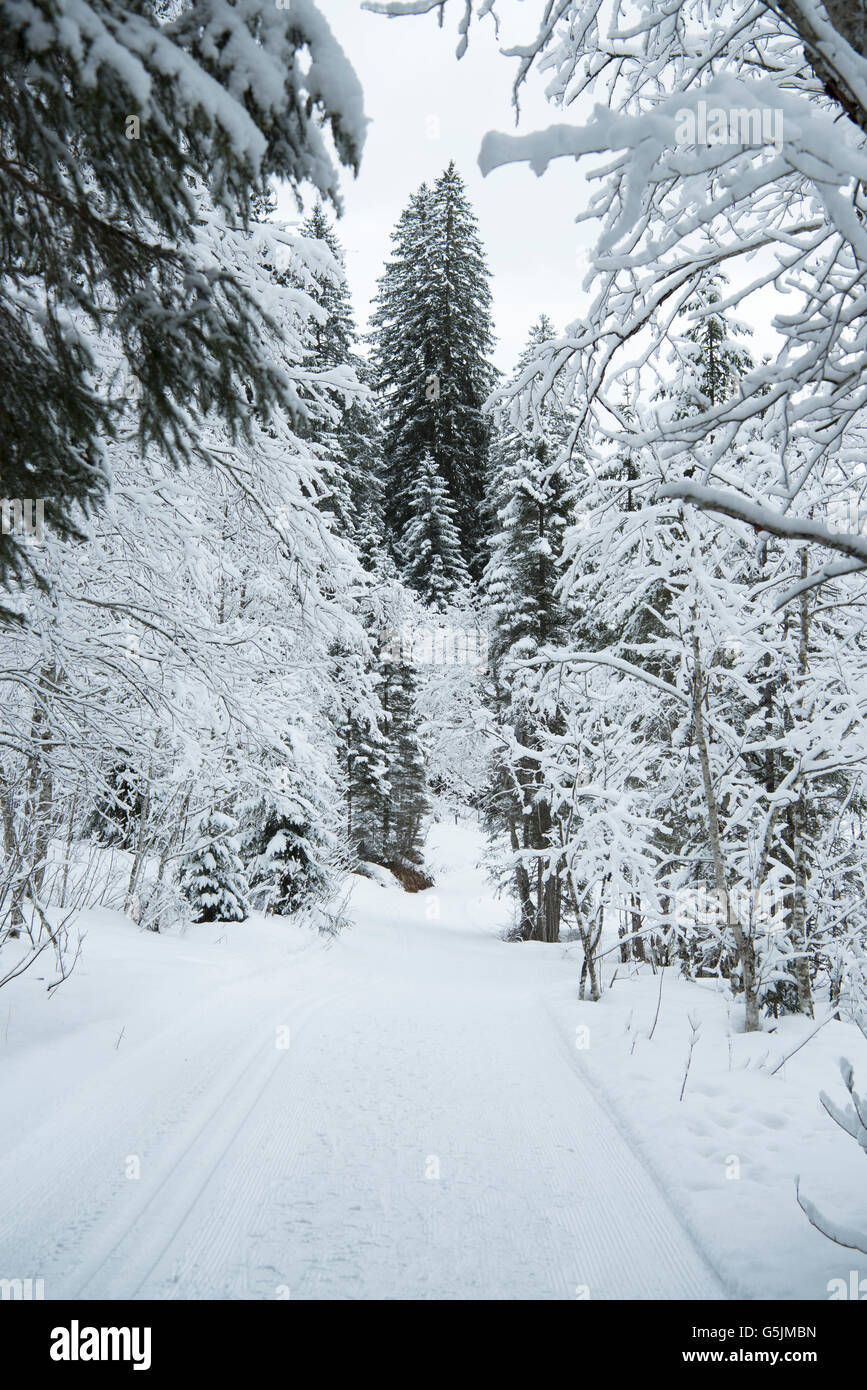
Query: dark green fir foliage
(117, 812)
(431, 546)
(290, 847)
(406, 805)
(432, 339)
(212, 877)
(388, 801)
(105, 144)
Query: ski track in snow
(416, 1047)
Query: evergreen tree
(367, 786)
(406, 805)
(101, 224)
(402, 360)
(533, 488)
(290, 848)
(431, 544)
(290, 866)
(330, 340)
(349, 433)
(118, 808)
(533, 491)
(432, 337)
(362, 442)
(713, 347)
(383, 757)
(212, 876)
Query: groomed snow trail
(426, 1133)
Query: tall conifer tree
(432, 338)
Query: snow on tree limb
(838, 1231)
(762, 518)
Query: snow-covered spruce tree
(289, 847)
(118, 807)
(532, 489)
(432, 338)
(364, 748)
(100, 223)
(365, 755)
(212, 876)
(403, 359)
(344, 428)
(329, 337)
(361, 441)
(386, 797)
(430, 549)
(385, 758)
(711, 359)
(406, 805)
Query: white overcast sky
(426, 108)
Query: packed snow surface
(408, 1110)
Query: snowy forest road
(396, 1116)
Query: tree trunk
(40, 781)
(522, 884)
(798, 811)
(743, 941)
(638, 952)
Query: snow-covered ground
(409, 1110)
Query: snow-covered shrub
(288, 872)
(164, 906)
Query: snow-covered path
(427, 1133)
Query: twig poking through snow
(695, 1025)
(658, 1002)
(803, 1043)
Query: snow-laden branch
(775, 523)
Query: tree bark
(743, 941)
